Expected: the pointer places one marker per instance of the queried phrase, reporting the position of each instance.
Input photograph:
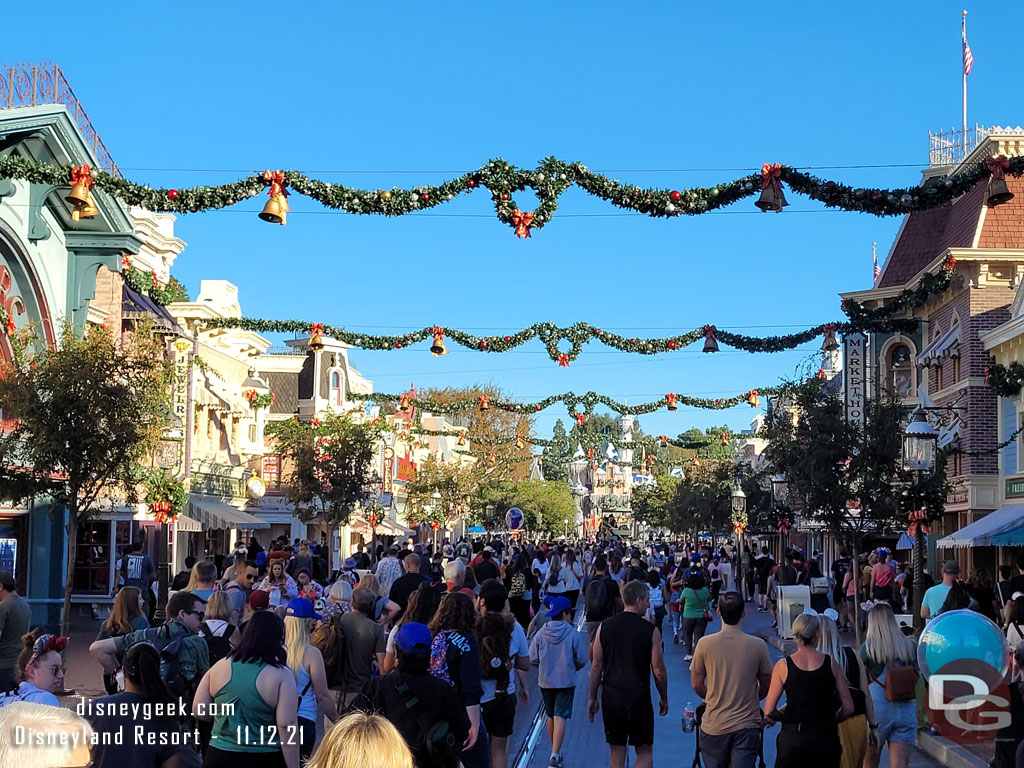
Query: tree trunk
(72, 529)
(855, 572)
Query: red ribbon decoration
(784, 526)
(483, 402)
(988, 372)
(663, 439)
(830, 335)
(522, 222)
(724, 438)
(770, 176)
(563, 360)
(126, 263)
(82, 173)
(670, 398)
(276, 181)
(580, 419)
(918, 518)
(997, 166)
(753, 398)
(316, 328)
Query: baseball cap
(261, 558)
(301, 608)
(951, 566)
(413, 637)
(349, 564)
(558, 605)
(259, 600)
(7, 580)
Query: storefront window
(92, 561)
(901, 371)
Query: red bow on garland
(522, 222)
(126, 263)
(82, 173)
(988, 372)
(580, 419)
(784, 526)
(998, 166)
(753, 398)
(710, 341)
(316, 329)
(563, 360)
(276, 181)
(670, 400)
(771, 176)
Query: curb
(946, 752)
(785, 646)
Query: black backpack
(597, 596)
(218, 647)
(169, 648)
(436, 745)
(329, 639)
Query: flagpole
(963, 50)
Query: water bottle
(688, 719)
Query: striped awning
(947, 345)
(213, 514)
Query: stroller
(698, 716)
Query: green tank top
(244, 722)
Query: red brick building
(945, 359)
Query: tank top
(307, 700)
(252, 724)
(811, 696)
(626, 642)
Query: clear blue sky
(444, 86)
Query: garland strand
(993, 449)
(575, 336)
(1005, 380)
(578, 406)
(549, 180)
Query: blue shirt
(934, 597)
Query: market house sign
(854, 349)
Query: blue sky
(179, 90)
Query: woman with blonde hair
(385, 611)
(217, 622)
(885, 651)
(362, 741)
(856, 731)
(307, 664)
(811, 680)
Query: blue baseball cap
(301, 608)
(413, 637)
(261, 558)
(558, 605)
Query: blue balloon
(962, 634)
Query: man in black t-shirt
(627, 649)
(486, 569)
(602, 600)
(408, 582)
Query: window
(252, 434)
(901, 374)
(337, 395)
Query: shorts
(850, 598)
(558, 701)
(592, 627)
(499, 714)
(897, 720)
(628, 719)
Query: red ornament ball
(671, 345)
(508, 338)
(675, 194)
(632, 341)
(172, 193)
(424, 196)
(471, 183)
(398, 345)
(483, 345)
(504, 195)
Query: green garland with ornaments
(578, 406)
(1005, 380)
(549, 180)
(147, 284)
(564, 345)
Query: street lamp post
(739, 509)
(436, 497)
(566, 521)
(919, 442)
(780, 492)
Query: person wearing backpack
(602, 599)
(455, 658)
(306, 663)
(426, 711)
(184, 656)
(890, 659)
(217, 629)
(520, 583)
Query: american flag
(878, 269)
(968, 56)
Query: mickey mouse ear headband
(46, 643)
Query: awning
(217, 514)
(185, 524)
(981, 533)
(138, 306)
(947, 345)
(907, 541)
(1012, 538)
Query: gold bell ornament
(86, 210)
(437, 348)
(771, 198)
(316, 337)
(276, 208)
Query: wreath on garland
(148, 284)
(166, 495)
(257, 400)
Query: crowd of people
(413, 657)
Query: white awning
(185, 524)
(980, 532)
(946, 346)
(217, 514)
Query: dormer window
(901, 373)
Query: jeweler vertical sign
(854, 377)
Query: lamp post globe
(739, 501)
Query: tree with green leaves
(328, 465)
(558, 457)
(455, 481)
(80, 420)
(656, 504)
(546, 505)
(850, 479)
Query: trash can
(792, 601)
